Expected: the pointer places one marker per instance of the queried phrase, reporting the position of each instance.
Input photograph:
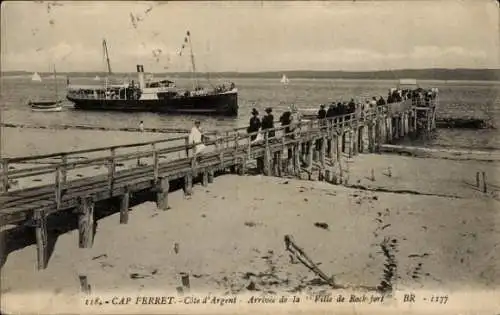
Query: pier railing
(59, 164)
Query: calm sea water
(457, 99)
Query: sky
(250, 36)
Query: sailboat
(285, 80)
(47, 106)
(97, 78)
(36, 77)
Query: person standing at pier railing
(268, 123)
(195, 138)
(254, 124)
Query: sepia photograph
(189, 157)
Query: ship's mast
(55, 80)
(195, 81)
(105, 47)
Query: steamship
(155, 96)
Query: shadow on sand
(62, 222)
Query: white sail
(36, 77)
(284, 79)
(97, 78)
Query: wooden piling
(204, 180)
(188, 184)
(41, 238)
(279, 163)
(327, 175)
(296, 159)
(124, 206)
(378, 138)
(162, 188)
(210, 176)
(185, 282)
(371, 138)
(310, 148)
(322, 151)
(86, 222)
(477, 180)
(267, 155)
(354, 141)
(485, 186)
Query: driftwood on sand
(299, 253)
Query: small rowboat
(46, 106)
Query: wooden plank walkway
(171, 159)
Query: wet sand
(230, 237)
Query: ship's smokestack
(140, 74)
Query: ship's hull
(223, 104)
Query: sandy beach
(229, 236)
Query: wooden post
(186, 143)
(296, 159)
(156, 164)
(354, 140)
(185, 282)
(310, 147)
(188, 185)
(279, 157)
(378, 138)
(64, 161)
(322, 152)
(242, 168)
(343, 140)
(477, 180)
(371, 140)
(5, 176)
(327, 176)
(210, 176)
(204, 181)
(485, 187)
(111, 171)
(86, 222)
(41, 238)
(124, 206)
(267, 155)
(58, 187)
(162, 188)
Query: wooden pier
(117, 172)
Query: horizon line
(268, 71)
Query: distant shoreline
(419, 74)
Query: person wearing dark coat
(268, 122)
(254, 124)
(381, 101)
(285, 120)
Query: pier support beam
(86, 222)
(379, 124)
(296, 159)
(124, 205)
(322, 151)
(310, 151)
(41, 238)
(210, 176)
(354, 141)
(279, 163)
(162, 188)
(371, 138)
(204, 179)
(188, 184)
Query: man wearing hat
(254, 124)
(268, 122)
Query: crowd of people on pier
(418, 97)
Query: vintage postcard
(165, 157)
